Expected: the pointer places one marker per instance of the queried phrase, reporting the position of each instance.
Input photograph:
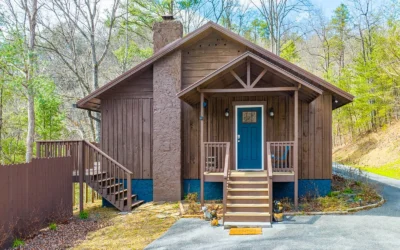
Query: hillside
(377, 152)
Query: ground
(367, 151)
(373, 229)
(134, 230)
(106, 228)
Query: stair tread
(247, 214)
(247, 205)
(137, 203)
(248, 182)
(247, 197)
(120, 191)
(106, 179)
(113, 185)
(248, 189)
(132, 196)
(249, 174)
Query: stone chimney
(166, 32)
(167, 149)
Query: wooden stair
(112, 191)
(247, 200)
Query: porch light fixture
(226, 112)
(271, 112)
(335, 100)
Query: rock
(176, 214)
(161, 216)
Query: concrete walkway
(377, 228)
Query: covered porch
(249, 122)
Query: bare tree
(277, 14)
(84, 16)
(22, 20)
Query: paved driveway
(378, 228)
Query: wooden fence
(34, 194)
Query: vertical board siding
(207, 55)
(35, 194)
(127, 125)
(315, 118)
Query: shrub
(333, 193)
(191, 197)
(348, 190)
(83, 215)
(53, 226)
(18, 243)
(193, 208)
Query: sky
(328, 6)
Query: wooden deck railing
(214, 153)
(51, 149)
(95, 167)
(281, 156)
(225, 182)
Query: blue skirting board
(213, 190)
(142, 188)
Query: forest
(54, 52)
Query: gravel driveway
(377, 228)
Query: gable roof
(92, 102)
(190, 93)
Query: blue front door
(249, 138)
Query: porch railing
(281, 156)
(214, 153)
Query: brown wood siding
(127, 125)
(314, 131)
(207, 55)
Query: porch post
(202, 149)
(296, 147)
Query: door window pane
(249, 117)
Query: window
(249, 117)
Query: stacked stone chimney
(167, 173)
(166, 32)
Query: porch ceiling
(265, 78)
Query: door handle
(238, 138)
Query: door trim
(262, 134)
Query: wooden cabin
(216, 114)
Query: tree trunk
(31, 126)
(32, 14)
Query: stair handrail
(107, 156)
(119, 173)
(226, 170)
